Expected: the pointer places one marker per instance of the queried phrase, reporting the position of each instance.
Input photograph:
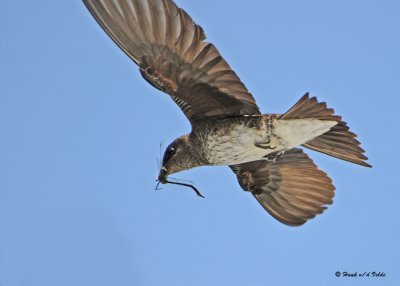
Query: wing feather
(173, 56)
(292, 189)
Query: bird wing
(292, 189)
(171, 53)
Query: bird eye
(168, 154)
(171, 151)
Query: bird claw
(265, 145)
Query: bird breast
(232, 141)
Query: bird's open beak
(162, 176)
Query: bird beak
(162, 176)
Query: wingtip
(305, 96)
(367, 165)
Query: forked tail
(338, 142)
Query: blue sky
(78, 164)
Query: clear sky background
(80, 134)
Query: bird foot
(265, 145)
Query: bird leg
(265, 145)
(270, 127)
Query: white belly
(289, 133)
(235, 147)
(238, 144)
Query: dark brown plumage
(292, 189)
(227, 126)
(170, 50)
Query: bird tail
(338, 142)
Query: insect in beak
(162, 178)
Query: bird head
(177, 157)
(180, 155)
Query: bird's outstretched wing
(170, 50)
(292, 189)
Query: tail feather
(338, 142)
(308, 107)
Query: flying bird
(228, 128)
